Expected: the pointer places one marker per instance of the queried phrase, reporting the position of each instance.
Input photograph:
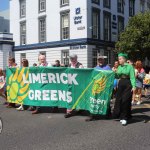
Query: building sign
(78, 16)
(81, 28)
(78, 47)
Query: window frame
(96, 10)
(39, 19)
(120, 9)
(107, 14)
(131, 7)
(63, 58)
(22, 57)
(44, 10)
(94, 2)
(21, 1)
(142, 3)
(63, 13)
(121, 19)
(106, 6)
(64, 4)
(21, 33)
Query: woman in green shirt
(126, 86)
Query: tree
(135, 39)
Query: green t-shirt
(127, 70)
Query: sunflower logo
(17, 90)
(99, 85)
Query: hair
(1, 72)
(12, 59)
(116, 61)
(43, 56)
(57, 61)
(25, 63)
(138, 65)
(34, 64)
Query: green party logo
(99, 85)
(17, 90)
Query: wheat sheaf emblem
(17, 90)
(99, 85)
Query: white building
(58, 28)
(6, 46)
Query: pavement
(51, 131)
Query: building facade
(4, 21)
(6, 46)
(59, 28)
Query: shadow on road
(141, 115)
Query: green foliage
(135, 39)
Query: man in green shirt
(126, 87)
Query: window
(42, 5)
(65, 29)
(22, 8)
(95, 24)
(95, 56)
(108, 59)
(131, 8)
(142, 6)
(148, 6)
(120, 5)
(107, 26)
(64, 2)
(42, 29)
(106, 3)
(120, 24)
(65, 58)
(23, 33)
(22, 56)
(96, 1)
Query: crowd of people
(130, 79)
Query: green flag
(86, 89)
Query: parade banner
(86, 89)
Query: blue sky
(4, 4)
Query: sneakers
(138, 103)
(133, 103)
(20, 108)
(123, 122)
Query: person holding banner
(74, 64)
(42, 63)
(101, 63)
(11, 64)
(126, 86)
(100, 66)
(25, 63)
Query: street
(51, 131)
